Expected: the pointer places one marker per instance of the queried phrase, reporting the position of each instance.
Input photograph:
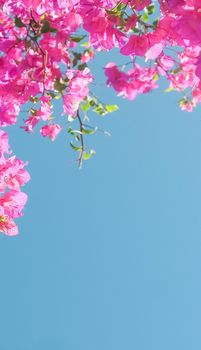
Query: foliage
(44, 58)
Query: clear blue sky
(109, 257)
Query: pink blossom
(50, 130)
(8, 226)
(138, 4)
(4, 145)
(43, 56)
(12, 203)
(71, 104)
(136, 46)
(136, 81)
(12, 177)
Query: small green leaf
(145, 17)
(92, 103)
(155, 77)
(100, 110)
(77, 39)
(88, 131)
(169, 89)
(86, 106)
(135, 30)
(51, 94)
(76, 58)
(59, 86)
(77, 54)
(46, 28)
(151, 9)
(70, 131)
(155, 23)
(74, 132)
(111, 108)
(76, 148)
(34, 99)
(82, 66)
(57, 97)
(53, 30)
(19, 23)
(176, 70)
(183, 101)
(85, 44)
(87, 155)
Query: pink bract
(46, 48)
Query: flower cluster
(45, 51)
(12, 177)
(137, 80)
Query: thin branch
(80, 159)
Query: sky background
(109, 257)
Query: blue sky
(109, 257)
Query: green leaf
(155, 23)
(19, 23)
(34, 99)
(53, 30)
(82, 66)
(70, 131)
(184, 101)
(88, 131)
(155, 77)
(151, 9)
(85, 44)
(145, 17)
(77, 55)
(51, 94)
(86, 106)
(92, 103)
(100, 110)
(59, 86)
(87, 156)
(111, 108)
(46, 28)
(73, 132)
(77, 39)
(76, 58)
(118, 10)
(76, 148)
(57, 97)
(169, 89)
(135, 30)
(176, 70)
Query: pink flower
(71, 104)
(136, 46)
(78, 90)
(4, 145)
(15, 175)
(131, 22)
(13, 203)
(136, 81)
(50, 130)
(12, 177)
(8, 226)
(138, 5)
